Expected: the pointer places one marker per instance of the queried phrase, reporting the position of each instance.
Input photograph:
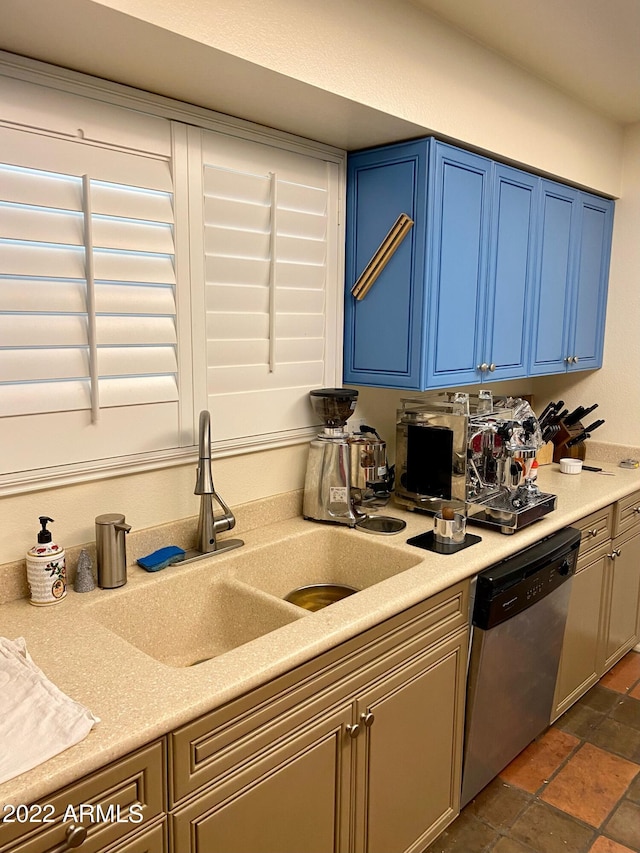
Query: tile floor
(576, 789)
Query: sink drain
(318, 595)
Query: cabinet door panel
(593, 273)
(294, 800)
(411, 790)
(553, 298)
(580, 660)
(625, 596)
(383, 331)
(458, 260)
(511, 273)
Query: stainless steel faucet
(210, 525)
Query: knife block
(560, 439)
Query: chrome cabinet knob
(354, 730)
(636, 509)
(75, 835)
(483, 367)
(593, 531)
(492, 367)
(615, 553)
(367, 718)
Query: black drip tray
(429, 543)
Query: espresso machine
(472, 452)
(346, 474)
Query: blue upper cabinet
(573, 257)
(383, 331)
(512, 273)
(503, 274)
(482, 278)
(586, 337)
(559, 211)
(457, 266)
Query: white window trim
(33, 71)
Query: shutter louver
(265, 269)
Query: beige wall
(616, 388)
(400, 60)
(393, 58)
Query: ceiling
(588, 48)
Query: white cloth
(37, 720)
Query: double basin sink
(189, 614)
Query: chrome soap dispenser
(111, 550)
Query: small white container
(570, 466)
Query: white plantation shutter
(87, 302)
(150, 268)
(270, 285)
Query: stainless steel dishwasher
(519, 614)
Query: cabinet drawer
(116, 801)
(627, 514)
(219, 742)
(154, 839)
(596, 531)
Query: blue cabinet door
(559, 213)
(592, 276)
(571, 297)
(511, 273)
(457, 261)
(383, 331)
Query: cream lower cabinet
(293, 800)
(603, 618)
(580, 664)
(621, 628)
(120, 809)
(359, 751)
(407, 776)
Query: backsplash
(13, 576)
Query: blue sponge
(162, 558)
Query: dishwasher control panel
(519, 581)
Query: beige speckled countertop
(138, 698)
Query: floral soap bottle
(46, 573)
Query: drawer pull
(615, 553)
(368, 719)
(636, 509)
(75, 835)
(593, 532)
(353, 731)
